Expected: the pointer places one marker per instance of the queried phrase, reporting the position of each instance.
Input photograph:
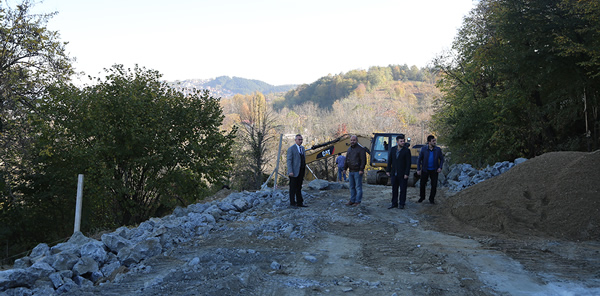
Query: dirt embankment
(554, 195)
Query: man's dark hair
(429, 138)
(400, 136)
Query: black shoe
(392, 207)
(421, 200)
(302, 206)
(432, 202)
(401, 206)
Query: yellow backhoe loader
(378, 148)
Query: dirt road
(332, 249)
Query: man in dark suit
(398, 168)
(296, 163)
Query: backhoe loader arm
(333, 147)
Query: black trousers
(433, 176)
(296, 190)
(399, 181)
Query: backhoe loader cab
(381, 145)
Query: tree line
(143, 146)
(326, 90)
(522, 79)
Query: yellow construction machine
(378, 148)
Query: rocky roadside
(252, 243)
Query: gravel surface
(332, 249)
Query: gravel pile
(82, 262)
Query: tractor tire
(413, 178)
(372, 177)
(382, 178)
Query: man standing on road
(429, 165)
(356, 160)
(296, 163)
(398, 168)
(340, 161)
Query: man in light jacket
(296, 163)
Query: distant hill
(225, 86)
(393, 81)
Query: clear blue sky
(276, 41)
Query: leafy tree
(143, 146)
(582, 41)
(257, 126)
(32, 58)
(378, 76)
(510, 90)
(583, 38)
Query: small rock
(318, 184)
(85, 265)
(56, 279)
(194, 261)
(275, 265)
(115, 241)
(108, 269)
(16, 278)
(520, 160)
(22, 263)
(41, 269)
(94, 250)
(335, 186)
(40, 250)
(64, 261)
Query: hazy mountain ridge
(225, 86)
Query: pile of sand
(556, 194)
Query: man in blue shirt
(429, 165)
(340, 161)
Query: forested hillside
(225, 86)
(326, 90)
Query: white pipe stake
(79, 202)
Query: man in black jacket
(398, 168)
(356, 160)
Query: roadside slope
(553, 195)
